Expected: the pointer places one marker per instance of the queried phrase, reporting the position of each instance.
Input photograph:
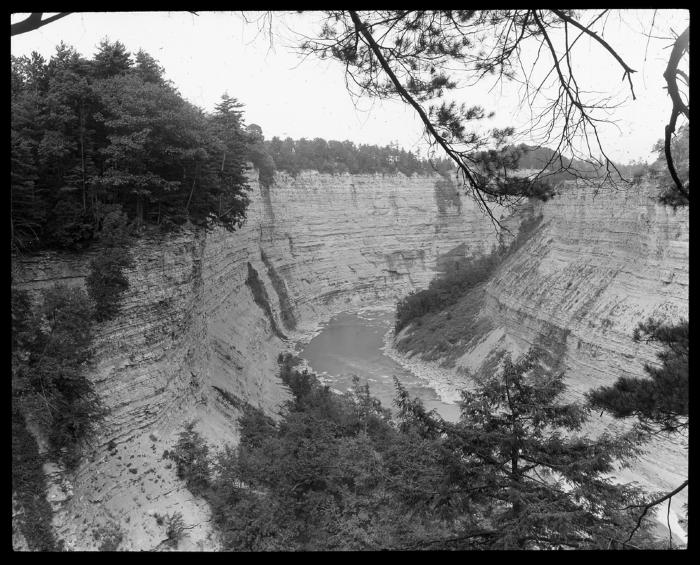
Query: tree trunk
(194, 179)
(139, 210)
(82, 155)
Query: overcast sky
(211, 53)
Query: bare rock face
(207, 314)
(599, 263)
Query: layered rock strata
(600, 262)
(207, 314)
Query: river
(352, 343)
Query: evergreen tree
(111, 59)
(539, 483)
(661, 399)
(337, 473)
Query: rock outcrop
(599, 263)
(207, 314)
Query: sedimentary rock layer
(194, 330)
(600, 262)
(194, 326)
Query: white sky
(216, 52)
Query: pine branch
(680, 46)
(34, 21)
(651, 504)
(628, 70)
(362, 29)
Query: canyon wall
(207, 314)
(600, 262)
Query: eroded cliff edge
(206, 315)
(195, 334)
(600, 262)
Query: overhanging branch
(671, 74)
(362, 29)
(34, 21)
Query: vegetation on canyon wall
(52, 350)
(336, 472)
(261, 298)
(458, 277)
(51, 391)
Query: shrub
(174, 527)
(29, 487)
(458, 278)
(58, 390)
(110, 536)
(106, 281)
(261, 298)
(191, 457)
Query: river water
(352, 343)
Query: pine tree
(661, 399)
(534, 480)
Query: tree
(88, 134)
(111, 59)
(680, 106)
(259, 155)
(228, 158)
(538, 484)
(337, 473)
(680, 159)
(148, 68)
(404, 54)
(660, 401)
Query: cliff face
(207, 314)
(598, 264)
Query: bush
(174, 528)
(458, 278)
(51, 347)
(110, 536)
(191, 457)
(58, 389)
(106, 281)
(29, 487)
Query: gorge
(207, 314)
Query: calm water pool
(351, 344)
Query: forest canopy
(91, 134)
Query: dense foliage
(51, 351)
(659, 400)
(458, 277)
(336, 157)
(112, 130)
(191, 457)
(337, 473)
(106, 281)
(29, 487)
(680, 153)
